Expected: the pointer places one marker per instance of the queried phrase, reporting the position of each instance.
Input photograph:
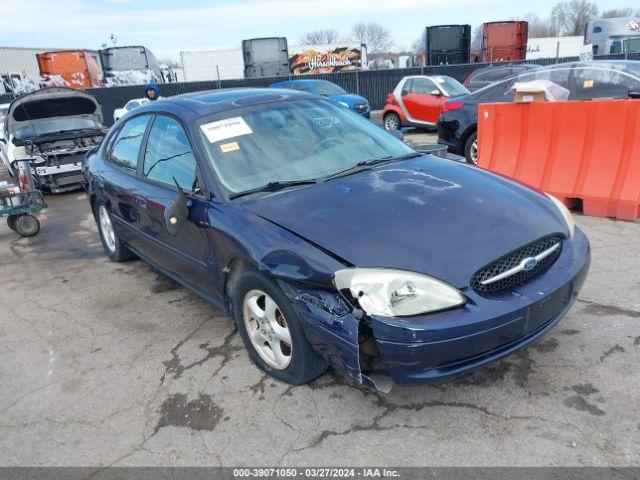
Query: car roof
(198, 104)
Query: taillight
(449, 106)
(391, 99)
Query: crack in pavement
(175, 367)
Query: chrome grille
(488, 279)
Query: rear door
(420, 102)
(119, 181)
(169, 157)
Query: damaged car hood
(51, 103)
(427, 215)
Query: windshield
(291, 140)
(46, 126)
(327, 88)
(451, 87)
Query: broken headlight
(396, 293)
(566, 214)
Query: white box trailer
(557, 47)
(212, 65)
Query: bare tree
(540, 27)
(376, 37)
(420, 45)
(572, 16)
(621, 12)
(319, 37)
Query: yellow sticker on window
(587, 84)
(229, 147)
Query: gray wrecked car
(55, 127)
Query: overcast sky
(169, 26)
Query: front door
(420, 101)
(168, 158)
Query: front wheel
(471, 149)
(392, 121)
(271, 331)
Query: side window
(498, 92)
(597, 29)
(423, 86)
(406, 88)
(602, 83)
(168, 155)
(616, 47)
(126, 145)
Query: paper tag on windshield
(227, 128)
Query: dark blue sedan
(331, 242)
(330, 90)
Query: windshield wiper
(273, 187)
(367, 164)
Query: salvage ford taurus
(330, 241)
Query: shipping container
(448, 44)
(609, 36)
(265, 57)
(316, 59)
(212, 65)
(500, 42)
(129, 65)
(70, 68)
(19, 72)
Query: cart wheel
(11, 221)
(27, 225)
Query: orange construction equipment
(581, 152)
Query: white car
(55, 128)
(130, 105)
(4, 108)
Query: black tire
(115, 249)
(469, 148)
(392, 121)
(11, 222)
(26, 225)
(305, 364)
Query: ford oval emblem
(529, 264)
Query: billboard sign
(315, 59)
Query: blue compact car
(329, 241)
(330, 90)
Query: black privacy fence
(374, 85)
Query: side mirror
(177, 212)
(436, 93)
(635, 94)
(398, 134)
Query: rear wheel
(392, 121)
(471, 149)
(271, 330)
(116, 250)
(26, 225)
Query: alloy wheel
(473, 152)
(107, 229)
(267, 329)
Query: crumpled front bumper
(432, 347)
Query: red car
(417, 101)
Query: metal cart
(19, 202)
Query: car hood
(49, 103)
(427, 215)
(350, 98)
